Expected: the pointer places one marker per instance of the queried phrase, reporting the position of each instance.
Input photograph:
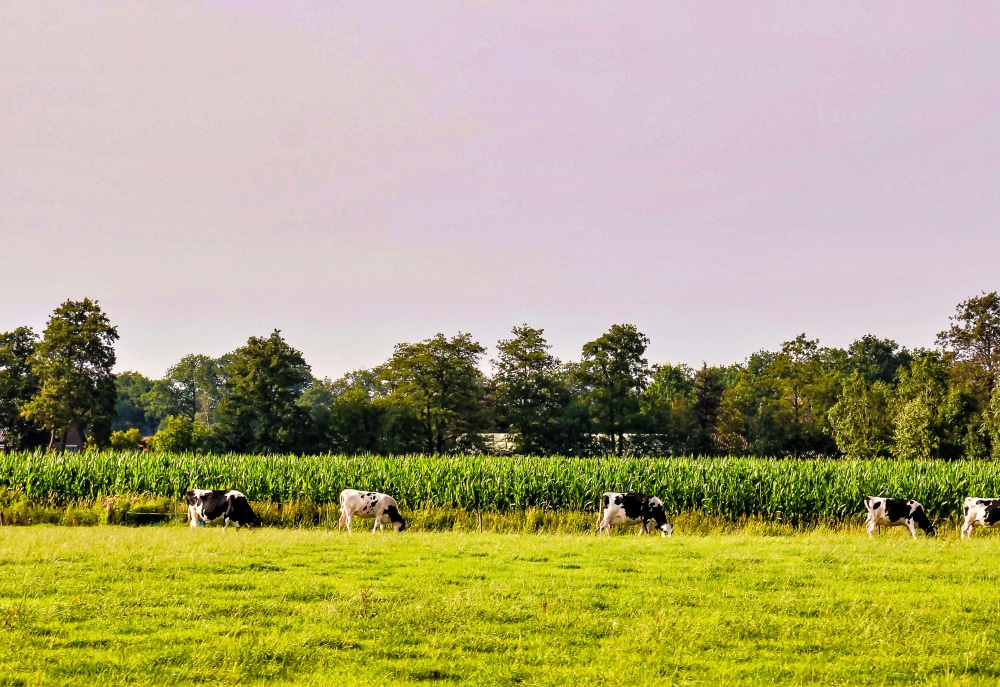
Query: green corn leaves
(796, 490)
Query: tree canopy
(873, 398)
(73, 364)
(259, 409)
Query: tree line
(872, 399)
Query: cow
(206, 504)
(369, 504)
(617, 509)
(896, 512)
(982, 512)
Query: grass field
(165, 606)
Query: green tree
(862, 420)
(18, 385)
(747, 421)
(991, 423)
(528, 391)
(778, 401)
(127, 440)
(130, 410)
(344, 415)
(161, 401)
(808, 389)
(877, 360)
(615, 373)
(668, 410)
(934, 417)
(191, 387)
(974, 337)
(73, 364)
(709, 387)
(439, 379)
(259, 409)
(180, 434)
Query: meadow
(166, 605)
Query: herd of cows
(615, 508)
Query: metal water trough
(140, 518)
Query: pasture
(165, 605)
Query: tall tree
(73, 363)
(877, 360)
(440, 380)
(991, 423)
(191, 388)
(862, 420)
(615, 374)
(709, 386)
(18, 385)
(259, 409)
(974, 337)
(344, 415)
(934, 417)
(778, 401)
(668, 409)
(195, 381)
(130, 411)
(808, 389)
(528, 391)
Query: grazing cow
(617, 509)
(982, 512)
(897, 512)
(369, 504)
(205, 505)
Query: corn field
(795, 490)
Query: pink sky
(373, 173)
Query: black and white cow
(982, 512)
(369, 504)
(617, 509)
(205, 505)
(896, 512)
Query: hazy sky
(723, 175)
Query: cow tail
(601, 505)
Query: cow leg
(871, 529)
(342, 521)
(912, 527)
(193, 517)
(968, 526)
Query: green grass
(166, 606)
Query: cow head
(395, 518)
(243, 513)
(923, 522)
(656, 512)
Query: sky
(724, 176)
